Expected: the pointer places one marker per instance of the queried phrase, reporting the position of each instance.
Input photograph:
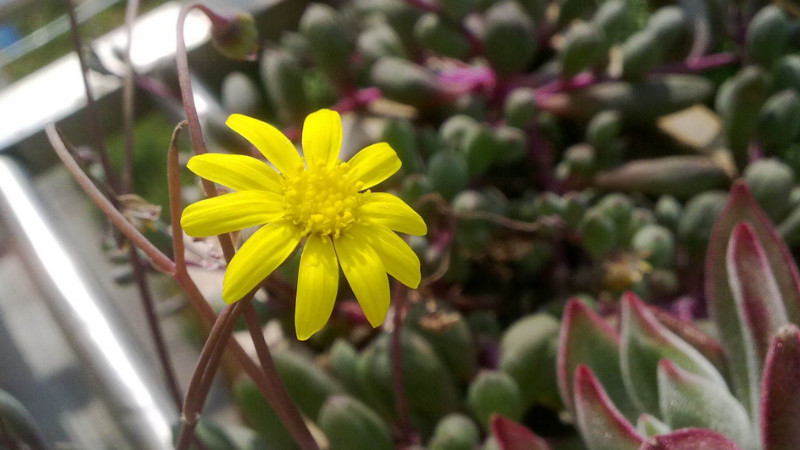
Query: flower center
(321, 199)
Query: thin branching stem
(275, 392)
(91, 108)
(128, 98)
(288, 411)
(401, 401)
(187, 96)
(204, 371)
(158, 259)
(140, 275)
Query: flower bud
(235, 37)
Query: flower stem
(187, 95)
(91, 109)
(204, 371)
(128, 90)
(274, 390)
(155, 329)
(401, 401)
(158, 259)
(282, 401)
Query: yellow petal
(266, 249)
(238, 172)
(399, 260)
(374, 164)
(390, 211)
(322, 137)
(276, 147)
(230, 212)
(317, 284)
(364, 271)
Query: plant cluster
(599, 181)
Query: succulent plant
(658, 382)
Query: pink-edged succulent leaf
(645, 341)
(757, 298)
(601, 424)
(697, 338)
(587, 339)
(689, 400)
(690, 439)
(742, 207)
(648, 425)
(510, 435)
(780, 392)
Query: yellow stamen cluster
(322, 200)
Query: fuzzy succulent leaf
(587, 339)
(780, 398)
(690, 439)
(601, 424)
(645, 342)
(710, 348)
(648, 425)
(513, 436)
(755, 293)
(689, 400)
(742, 207)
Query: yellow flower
(321, 199)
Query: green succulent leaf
(742, 207)
(689, 400)
(649, 425)
(513, 436)
(349, 424)
(645, 342)
(755, 293)
(586, 339)
(780, 398)
(690, 439)
(601, 424)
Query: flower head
(317, 198)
